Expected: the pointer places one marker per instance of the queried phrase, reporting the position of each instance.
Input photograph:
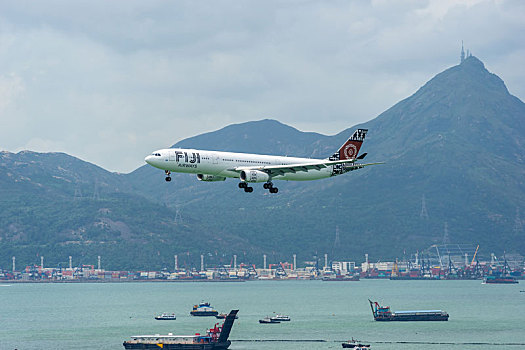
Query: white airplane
(252, 168)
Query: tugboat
(216, 338)
(383, 313)
(356, 345)
(280, 318)
(268, 320)
(166, 317)
(203, 309)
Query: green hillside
(457, 144)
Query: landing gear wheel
(168, 173)
(274, 190)
(243, 185)
(267, 185)
(248, 189)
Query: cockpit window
(156, 154)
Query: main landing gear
(168, 177)
(269, 186)
(246, 187)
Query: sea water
(324, 314)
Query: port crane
(250, 268)
(474, 257)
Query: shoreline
(118, 281)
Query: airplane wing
(276, 170)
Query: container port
(437, 263)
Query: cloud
(109, 83)
(10, 88)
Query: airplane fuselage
(223, 164)
(253, 168)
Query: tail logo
(350, 151)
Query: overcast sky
(111, 81)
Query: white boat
(166, 317)
(280, 318)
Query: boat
(280, 318)
(166, 317)
(355, 344)
(216, 338)
(500, 280)
(203, 309)
(383, 313)
(268, 320)
(223, 316)
(337, 278)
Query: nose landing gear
(168, 177)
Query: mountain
(55, 205)
(459, 141)
(456, 147)
(454, 154)
(264, 137)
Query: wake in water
(376, 342)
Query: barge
(215, 338)
(500, 280)
(338, 278)
(383, 313)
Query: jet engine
(254, 176)
(206, 177)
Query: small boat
(166, 317)
(355, 344)
(280, 318)
(341, 278)
(268, 320)
(223, 316)
(215, 338)
(203, 309)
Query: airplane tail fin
(350, 148)
(227, 326)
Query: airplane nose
(148, 159)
